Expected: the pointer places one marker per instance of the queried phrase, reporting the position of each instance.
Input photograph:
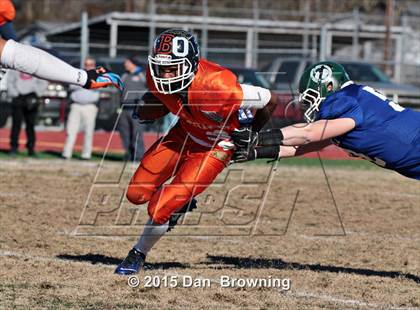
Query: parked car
(284, 74)
(51, 103)
(250, 76)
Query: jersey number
(392, 104)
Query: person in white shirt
(83, 111)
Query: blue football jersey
(385, 133)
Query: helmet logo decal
(165, 44)
(321, 74)
(180, 46)
(169, 44)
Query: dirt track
(373, 263)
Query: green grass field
(355, 249)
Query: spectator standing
(82, 116)
(25, 91)
(131, 131)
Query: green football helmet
(317, 82)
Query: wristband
(268, 152)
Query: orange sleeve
(7, 11)
(231, 93)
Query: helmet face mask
(317, 82)
(175, 52)
(310, 101)
(169, 85)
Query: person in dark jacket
(25, 91)
(131, 131)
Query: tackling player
(36, 62)
(354, 117)
(210, 104)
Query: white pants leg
(89, 120)
(73, 125)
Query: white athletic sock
(151, 234)
(34, 61)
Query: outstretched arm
(277, 151)
(293, 139)
(292, 151)
(36, 62)
(301, 134)
(294, 135)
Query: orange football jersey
(214, 97)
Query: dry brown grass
(375, 265)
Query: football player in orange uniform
(210, 104)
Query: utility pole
(389, 19)
(84, 38)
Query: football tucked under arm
(150, 108)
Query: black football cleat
(189, 207)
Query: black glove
(242, 155)
(252, 153)
(135, 113)
(270, 137)
(101, 77)
(246, 138)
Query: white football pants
(81, 117)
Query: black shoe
(13, 152)
(189, 207)
(32, 153)
(132, 263)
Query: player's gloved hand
(246, 154)
(135, 115)
(244, 138)
(242, 155)
(101, 77)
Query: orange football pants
(192, 167)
